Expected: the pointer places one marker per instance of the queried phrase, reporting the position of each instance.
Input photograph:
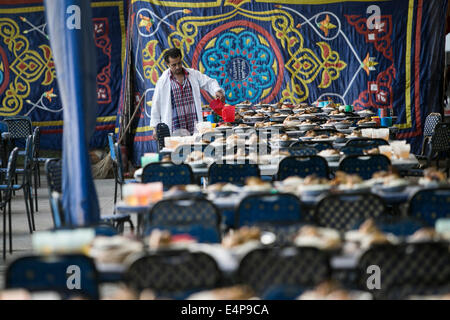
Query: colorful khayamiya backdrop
(371, 54)
(27, 73)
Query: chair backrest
(440, 140)
(303, 167)
(173, 273)
(430, 123)
(168, 173)
(264, 268)
(366, 142)
(302, 151)
(353, 151)
(54, 273)
(53, 169)
(319, 146)
(428, 205)
(198, 217)
(232, 173)
(162, 131)
(344, 211)
(10, 173)
(36, 142)
(281, 208)
(365, 166)
(406, 269)
(19, 127)
(28, 159)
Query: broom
(101, 169)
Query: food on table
(331, 290)
(424, 234)
(322, 136)
(337, 113)
(343, 179)
(268, 109)
(371, 151)
(365, 120)
(311, 133)
(280, 137)
(225, 124)
(113, 249)
(314, 180)
(432, 175)
(256, 184)
(322, 238)
(159, 238)
(238, 292)
(243, 235)
(195, 156)
(356, 134)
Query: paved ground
(43, 219)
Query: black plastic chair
(19, 128)
(366, 143)
(365, 166)
(319, 146)
(6, 199)
(279, 213)
(430, 124)
(169, 173)
(439, 146)
(344, 211)
(173, 273)
(265, 268)
(429, 205)
(232, 173)
(407, 269)
(50, 273)
(301, 151)
(303, 167)
(197, 217)
(26, 185)
(162, 131)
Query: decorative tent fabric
(27, 73)
(298, 51)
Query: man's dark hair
(172, 53)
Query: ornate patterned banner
(27, 74)
(371, 54)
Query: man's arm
(211, 85)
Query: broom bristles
(101, 169)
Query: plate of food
(330, 154)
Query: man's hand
(220, 95)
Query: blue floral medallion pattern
(242, 65)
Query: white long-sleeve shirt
(162, 103)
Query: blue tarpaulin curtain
(298, 51)
(71, 39)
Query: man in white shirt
(177, 99)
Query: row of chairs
(171, 174)
(283, 214)
(282, 272)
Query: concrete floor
(43, 219)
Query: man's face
(175, 65)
